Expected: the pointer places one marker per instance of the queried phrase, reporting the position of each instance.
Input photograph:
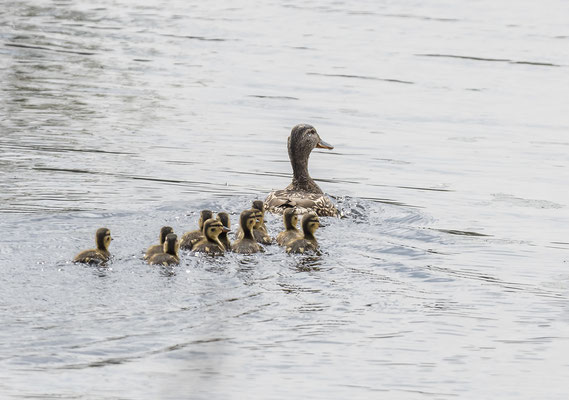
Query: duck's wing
(304, 202)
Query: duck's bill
(323, 145)
(225, 229)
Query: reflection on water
(445, 275)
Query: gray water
(447, 278)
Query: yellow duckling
(223, 217)
(303, 193)
(169, 256)
(259, 205)
(247, 243)
(290, 219)
(259, 232)
(310, 223)
(189, 239)
(159, 248)
(210, 244)
(101, 253)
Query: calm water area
(447, 277)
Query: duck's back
(189, 239)
(246, 246)
(92, 256)
(262, 236)
(163, 259)
(205, 246)
(301, 246)
(286, 236)
(304, 202)
(152, 250)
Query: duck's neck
(101, 245)
(247, 233)
(213, 240)
(309, 236)
(301, 179)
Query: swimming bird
(303, 193)
(189, 239)
(224, 218)
(210, 244)
(259, 205)
(99, 255)
(290, 233)
(259, 233)
(247, 243)
(310, 223)
(159, 248)
(169, 256)
(259, 230)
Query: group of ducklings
(211, 237)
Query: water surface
(447, 278)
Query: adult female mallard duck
(169, 256)
(247, 243)
(303, 193)
(310, 223)
(210, 244)
(223, 217)
(99, 255)
(290, 233)
(159, 248)
(189, 239)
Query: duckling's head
(310, 223)
(303, 138)
(259, 218)
(290, 218)
(224, 218)
(103, 238)
(164, 231)
(212, 228)
(171, 244)
(248, 219)
(258, 205)
(204, 216)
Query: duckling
(210, 244)
(310, 223)
(259, 233)
(290, 233)
(223, 217)
(259, 205)
(189, 239)
(169, 256)
(159, 248)
(99, 255)
(303, 193)
(247, 243)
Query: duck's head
(259, 218)
(164, 231)
(290, 218)
(223, 217)
(248, 219)
(258, 205)
(310, 223)
(103, 238)
(303, 138)
(204, 216)
(171, 244)
(212, 228)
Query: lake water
(447, 278)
